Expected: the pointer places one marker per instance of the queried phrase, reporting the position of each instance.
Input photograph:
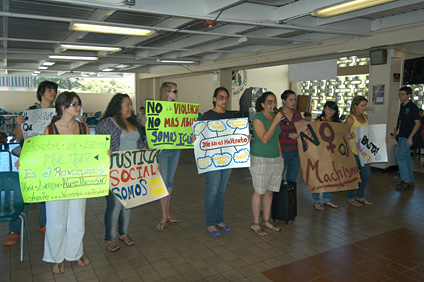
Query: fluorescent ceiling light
(63, 57)
(90, 48)
(175, 61)
(348, 7)
(107, 69)
(110, 29)
(121, 66)
(49, 64)
(42, 68)
(36, 72)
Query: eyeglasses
(175, 91)
(75, 105)
(222, 97)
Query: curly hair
(114, 110)
(64, 100)
(261, 100)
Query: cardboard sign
(168, 124)
(36, 121)
(64, 167)
(135, 178)
(221, 144)
(326, 159)
(370, 141)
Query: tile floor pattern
(185, 252)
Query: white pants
(64, 230)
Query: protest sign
(221, 144)
(168, 124)
(326, 158)
(64, 167)
(135, 178)
(36, 121)
(370, 141)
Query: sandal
(161, 225)
(127, 240)
(259, 231)
(318, 206)
(364, 201)
(58, 268)
(172, 220)
(83, 261)
(112, 246)
(273, 227)
(354, 202)
(332, 205)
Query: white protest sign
(370, 141)
(221, 144)
(36, 121)
(135, 177)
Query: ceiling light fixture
(63, 57)
(107, 69)
(42, 67)
(110, 29)
(49, 64)
(90, 48)
(175, 61)
(348, 7)
(121, 66)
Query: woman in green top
(266, 166)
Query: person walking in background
(358, 118)
(408, 124)
(289, 135)
(266, 165)
(168, 160)
(330, 113)
(121, 124)
(66, 218)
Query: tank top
(52, 129)
(356, 124)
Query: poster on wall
(168, 124)
(221, 144)
(378, 94)
(370, 141)
(36, 121)
(326, 159)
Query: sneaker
(11, 239)
(400, 186)
(42, 229)
(411, 184)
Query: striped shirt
(287, 126)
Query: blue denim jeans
(291, 164)
(365, 172)
(115, 211)
(403, 159)
(168, 160)
(321, 198)
(15, 225)
(216, 185)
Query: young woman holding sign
(266, 164)
(66, 218)
(329, 113)
(358, 118)
(121, 124)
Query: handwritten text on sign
(326, 159)
(221, 144)
(168, 124)
(36, 121)
(64, 167)
(135, 178)
(370, 141)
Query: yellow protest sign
(168, 124)
(64, 167)
(135, 177)
(326, 158)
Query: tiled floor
(381, 242)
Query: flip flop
(60, 268)
(318, 206)
(259, 231)
(161, 225)
(172, 220)
(112, 246)
(83, 261)
(127, 240)
(332, 205)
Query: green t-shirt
(260, 149)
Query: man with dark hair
(46, 94)
(407, 125)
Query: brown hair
(163, 92)
(355, 102)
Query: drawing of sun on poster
(64, 167)
(135, 177)
(326, 158)
(36, 121)
(370, 141)
(221, 144)
(168, 124)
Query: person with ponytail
(66, 218)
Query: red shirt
(287, 126)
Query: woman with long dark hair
(65, 226)
(121, 124)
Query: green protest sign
(168, 124)
(64, 167)
(135, 177)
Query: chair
(12, 205)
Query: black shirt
(212, 115)
(408, 114)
